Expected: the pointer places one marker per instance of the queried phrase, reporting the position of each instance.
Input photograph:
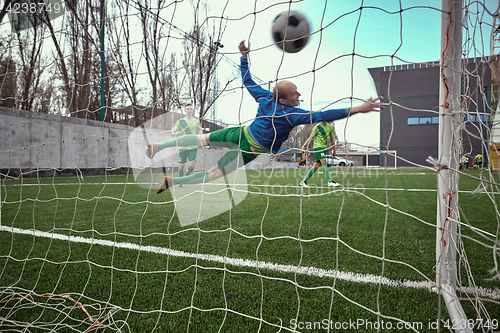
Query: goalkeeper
(277, 115)
(321, 133)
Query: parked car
(337, 161)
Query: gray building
(410, 125)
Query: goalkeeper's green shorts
(233, 138)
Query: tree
(30, 45)
(8, 82)
(23, 76)
(3, 12)
(120, 39)
(162, 91)
(305, 133)
(199, 61)
(8, 78)
(152, 38)
(171, 91)
(80, 69)
(293, 140)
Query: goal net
(406, 239)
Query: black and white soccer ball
(291, 30)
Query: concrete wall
(41, 141)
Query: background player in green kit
(321, 133)
(184, 126)
(478, 161)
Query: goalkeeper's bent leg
(185, 140)
(195, 178)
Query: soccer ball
(290, 30)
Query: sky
(382, 33)
(325, 72)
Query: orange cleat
(152, 149)
(164, 184)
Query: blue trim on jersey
(274, 121)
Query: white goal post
(448, 159)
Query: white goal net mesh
(87, 244)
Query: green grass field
(143, 290)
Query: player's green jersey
(187, 126)
(321, 134)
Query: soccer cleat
(152, 149)
(304, 184)
(333, 184)
(164, 184)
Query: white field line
(310, 271)
(238, 185)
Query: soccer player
(321, 133)
(478, 161)
(277, 115)
(462, 162)
(185, 126)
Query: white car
(337, 161)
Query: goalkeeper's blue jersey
(274, 121)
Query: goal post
(448, 159)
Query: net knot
(437, 164)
